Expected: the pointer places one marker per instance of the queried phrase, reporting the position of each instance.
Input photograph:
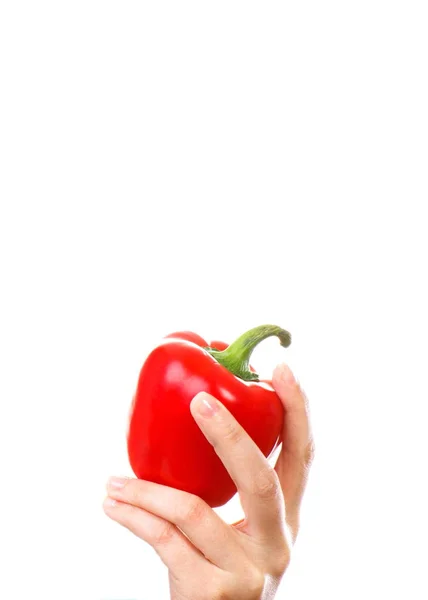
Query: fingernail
(109, 502)
(286, 374)
(117, 483)
(206, 405)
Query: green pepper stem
(236, 358)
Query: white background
(213, 166)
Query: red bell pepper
(165, 445)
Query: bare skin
(208, 559)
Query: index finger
(257, 482)
(297, 450)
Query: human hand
(208, 559)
